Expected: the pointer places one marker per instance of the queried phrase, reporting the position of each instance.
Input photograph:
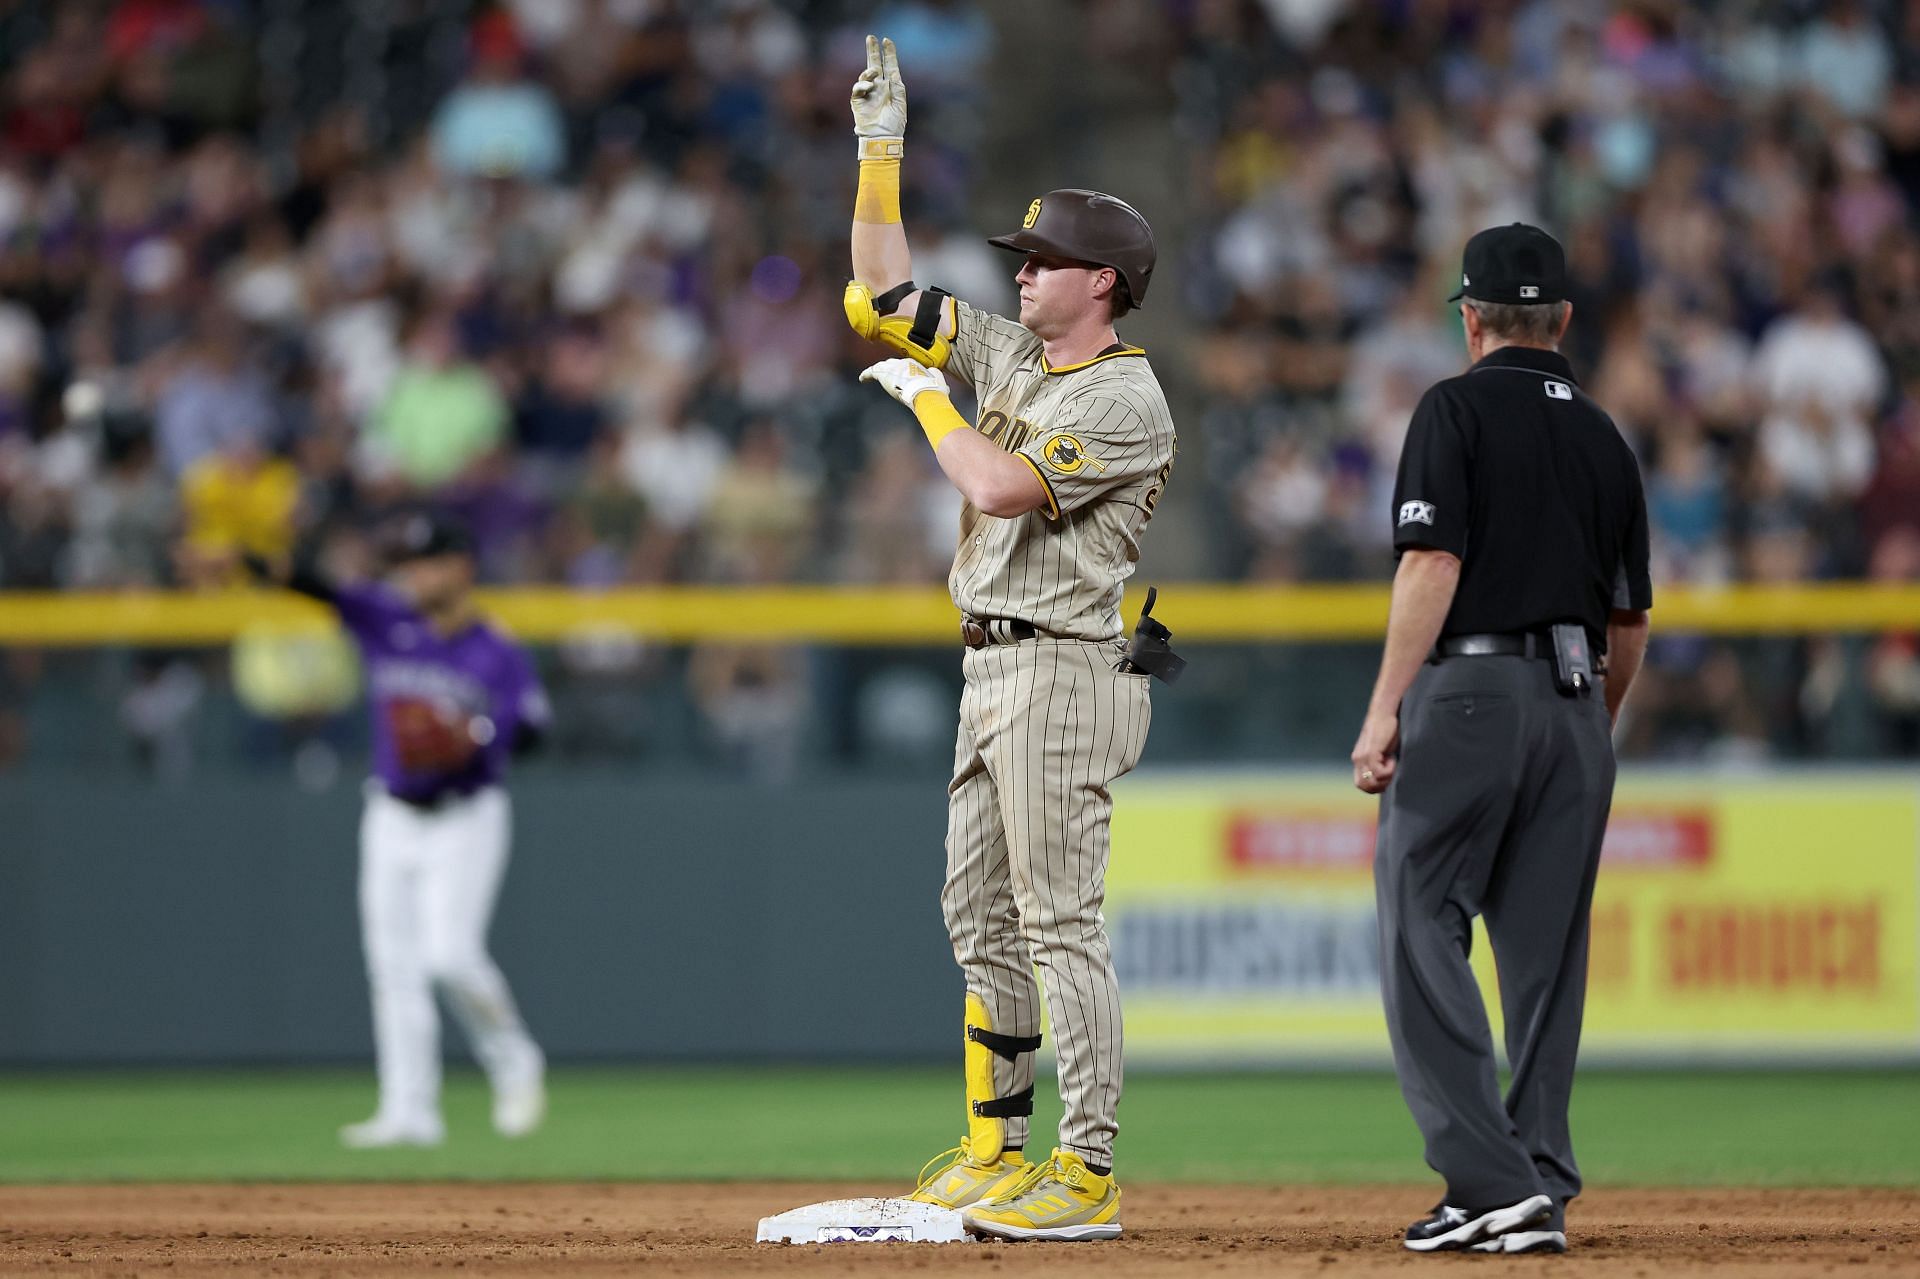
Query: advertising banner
(1764, 917)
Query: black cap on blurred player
(1518, 265)
(424, 534)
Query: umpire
(1521, 530)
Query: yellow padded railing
(1197, 612)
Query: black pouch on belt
(1151, 652)
(1572, 660)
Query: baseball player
(452, 698)
(1060, 475)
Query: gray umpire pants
(1497, 808)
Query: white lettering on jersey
(1416, 513)
(428, 681)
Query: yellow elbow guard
(917, 338)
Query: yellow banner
(1772, 917)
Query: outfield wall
(1746, 918)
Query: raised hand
(879, 96)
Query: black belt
(978, 632)
(1513, 644)
(432, 803)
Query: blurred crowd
(584, 300)
(569, 268)
(1736, 184)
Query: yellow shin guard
(987, 1112)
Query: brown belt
(978, 632)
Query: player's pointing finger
(873, 54)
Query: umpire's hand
(1375, 753)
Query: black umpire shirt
(1512, 468)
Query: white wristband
(881, 148)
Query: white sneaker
(1525, 1241)
(382, 1132)
(519, 1110)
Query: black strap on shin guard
(1008, 1046)
(1021, 1103)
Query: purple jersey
(446, 709)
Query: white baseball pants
(428, 882)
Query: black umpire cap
(1089, 226)
(424, 534)
(1518, 265)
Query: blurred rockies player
(452, 698)
(1060, 475)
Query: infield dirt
(707, 1229)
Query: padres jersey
(1100, 438)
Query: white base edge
(865, 1221)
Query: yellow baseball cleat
(954, 1179)
(1060, 1199)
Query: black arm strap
(1008, 1046)
(893, 297)
(926, 318)
(1021, 1103)
(304, 579)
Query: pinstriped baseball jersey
(1100, 438)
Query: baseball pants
(1498, 809)
(1046, 726)
(428, 882)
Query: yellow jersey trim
(1087, 364)
(1053, 502)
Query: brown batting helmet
(1090, 226)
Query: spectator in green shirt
(442, 413)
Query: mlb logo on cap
(1518, 265)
